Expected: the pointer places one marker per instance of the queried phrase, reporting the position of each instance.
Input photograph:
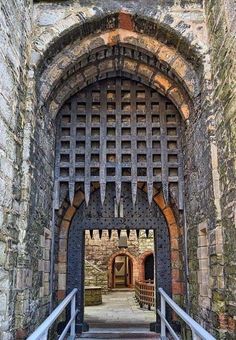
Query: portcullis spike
(118, 192)
(71, 192)
(150, 192)
(87, 193)
(102, 191)
(134, 192)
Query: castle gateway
(117, 172)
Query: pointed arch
(135, 269)
(174, 232)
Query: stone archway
(181, 85)
(175, 246)
(142, 259)
(84, 218)
(180, 92)
(135, 268)
(174, 74)
(174, 39)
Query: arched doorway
(98, 216)
(118, 143)
(149, 268)
(132, 268)
(122, 270)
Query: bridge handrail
(41, 333)
(197, 330)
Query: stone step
(119, 334)
(122, 290)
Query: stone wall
(92, 296)
(16, 20)
(94, 276)
(103, 248)
(210, 186)
(222, 29)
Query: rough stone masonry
(41, 42)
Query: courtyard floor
(119, 317)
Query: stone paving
(119, 317)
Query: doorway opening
(149, 268)
(122, 272)
(115, 271)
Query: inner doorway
(122, 272)
(149, 268)
(119, 263)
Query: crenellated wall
(99, 251)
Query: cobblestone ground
(119, 316)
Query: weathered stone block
(92, 296)
(202, 253)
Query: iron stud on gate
(121, 131)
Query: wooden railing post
(144, 293)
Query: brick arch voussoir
(146, 73)
(64, 62)
(69, 28)
(168, 213)
(175, 239)
(64, 227)
(144, 255)
(122, 252)
(70, 212)
(134, 260)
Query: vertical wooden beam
(87, 181)
(133, 127)
(118, 140)
(103, 139)
(164, 153)
(72, 149)
(149, 145)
